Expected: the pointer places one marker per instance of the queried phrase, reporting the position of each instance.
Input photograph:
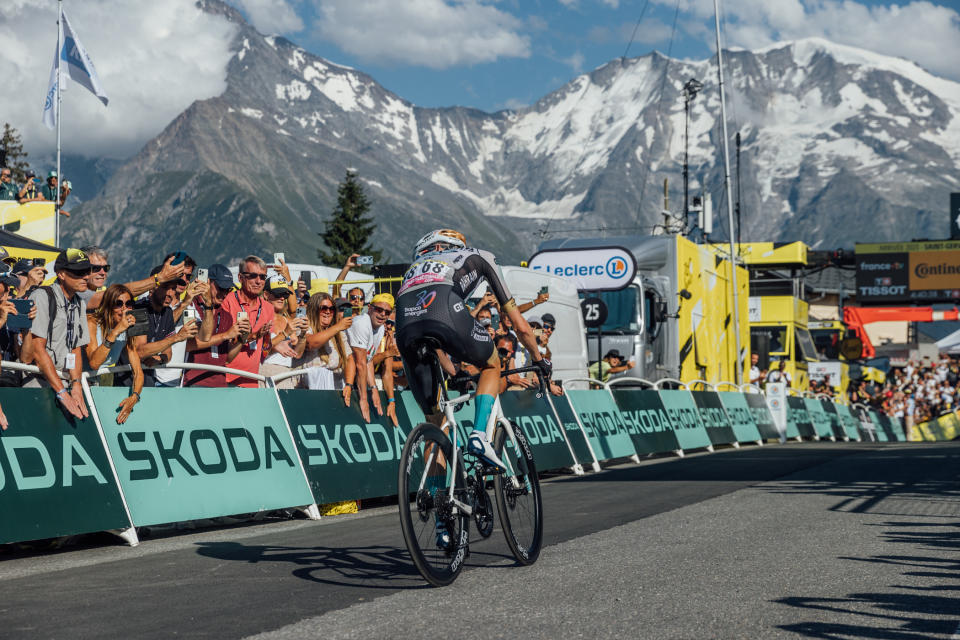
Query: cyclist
(431, 303)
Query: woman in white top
(285, 333)
(322, 350)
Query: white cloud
(154, 59)
(921, 31)
(575, 62)
(271, 16)
(432, 33)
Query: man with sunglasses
(364, 337)
(8, 188)
(255, 320)
(55, 343)
(357, 298)
(100, 267)
(156, 347)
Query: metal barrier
(750, 385)
(703, 383)
(630, 379)
(680, 383)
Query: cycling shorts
(441, 315)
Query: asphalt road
(809, 540)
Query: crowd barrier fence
(196, 453)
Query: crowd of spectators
(33, 189)
(922, 390)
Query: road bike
(439, 481)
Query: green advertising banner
(741, 416)
(533, 414)
(714, 417)
(55, 479)
(894, 427)
(761, 416)
(345, 458)
(867, 425)
(576, 435)
(836, 424)
(883, 425)
(850, 423)
(603, 423)
(799, 424)
(684, 418)
(819, 418)
(647, 420)
(186, 454)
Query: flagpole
(56, 195)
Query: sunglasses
(100, 267)
(548, 327)
(253, 276)
(356, 297)
(123, 303)
(79, 273)
(380, 309)
(326, 308)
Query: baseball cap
(9, 279)
(613, 353)
(72, 260)
(220, 275)
(383, 297)
(278, 286)
(342, 303)
(52, 174)
(548, 318)
(22, 266)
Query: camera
(365, 260)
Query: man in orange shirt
(253, 317)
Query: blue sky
(508, 53)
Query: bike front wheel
(518, 495)
(425, 474)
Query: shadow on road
(930, 609)
(371, 567)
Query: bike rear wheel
(423, 484)
(518, 496)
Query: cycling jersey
(431, 303)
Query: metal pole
(686, 160)
(726, 186)
(56, 195)
(738, 188)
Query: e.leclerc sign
(600, 269)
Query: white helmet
(449, 237)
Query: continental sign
(55, 478)
(215, 452)
(908, 272)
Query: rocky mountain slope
(839, 145)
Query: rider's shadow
(372, 567)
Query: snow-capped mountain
(838, 145)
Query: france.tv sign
(599, 269)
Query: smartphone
(305, 276)
(20, 321)
(242, 315)
(544, 290)
(347, 312)
(301, 312)
(178, 257)
(203, 275)
(190, 314)
(364, 260)
(538, 332)
(277, 259)
(141, 327)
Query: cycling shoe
(479, 446)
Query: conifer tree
(350, 226)
(12, 154)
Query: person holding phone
(155, 348)
(286, 333)
(30, 191)
(254, 316)
(109, 345)
(323, 350)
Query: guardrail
(203, 452)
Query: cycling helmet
(449, 237)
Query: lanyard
(72, 337)
(259, 309)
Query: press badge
(215, 352)
(71, 361)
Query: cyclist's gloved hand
(545, 367)
(462, 382)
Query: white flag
(50, 101)
(78, 64)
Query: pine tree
(349, 228)
(13, 155)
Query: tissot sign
(908, 272)
(601, 269)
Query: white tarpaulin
(950, 344)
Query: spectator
(612, 363)
(507, 351)
(10, 339)
(754, 375)
(342, 276)
(98, 258)
(540, 299)
(8, 188)
(549, 326)
(154, 348)
(31, 273)
(49, 190)
(322, 351)
(183, 296)
(780, 374)
(64, 194)
(30, 191)
(364, 336)
(59, 331)
(109, 344)
(254, 317)
(218, 331)
(394, 361)
(357, 299)
(285, 334)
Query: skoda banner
(599, 269)
(836, 425)
(603, 423)
(55, 479)
(742, 417)
(764, 420)
(684, 419)
(647, 420)
(822, 424)
(185, 454)
(550, 450)
(799, 424)
(714, 417)
(576, 435)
